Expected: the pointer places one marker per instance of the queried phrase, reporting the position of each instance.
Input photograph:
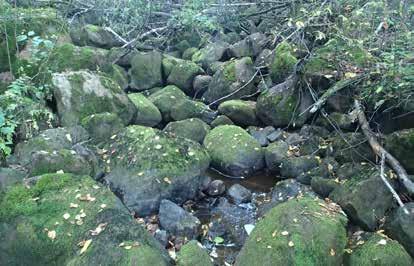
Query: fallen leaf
(332, 252)
(291, 244)
(51, 234)
(101, 227)
(167, 180)
(127, 247)
(85, 246)
(158, 147)
(218, 240)
(103, 206)
(66, 216)
(382, 242)
(285, 233)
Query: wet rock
(50, 140)
(162, 237)
(200, 84)
(233, 151)
(177, 221)
(294, 166)
(232, 75)
(146, 70)
(146, 166)
(239, 194)
(304, 226)
(379, 250)
(277, 135)
(261, 134)
(232, 219)
(280, 106)
(193, 254)
(102, 126)
(96, 36)
(216, 188)
(221, 120)
(193, 128)
(401, 145)
(400, 227)
(364, 198)
(147, 113)
(165, 99)
(181, 73)
(242, 113)
(275, 154)
(32, 235)
(81, 94)
(192, 109)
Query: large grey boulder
(146, 71)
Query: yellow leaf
(51, 234)
(85, 246)
(291, 244)
(101, 227)
(300, 24)
(332, 252)
(285, 233)
(350, 75)
(66, 216)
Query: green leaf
(218, 240)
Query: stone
(92, 35)
(275, 154)
(283, 62)
(364, 198)
(242, 113)
(261, 134)
(379, 250)
(165, 99)
(239, 194)
(216, 188)
(233, 151)
(232, 75)
(221, 120)
(102, 126)
(81, 94)
(193, 254)
(37, 232)
(400, 227)
(211, 53)
(345, 122)
(192, 128)
(341, 151)
(146, 165)
(10, 177)
(162, 237)
(192, 109)
(294, 166)
(307, 229)
(181, 73)
(147, 113)
(401, 145)
(146, 71)
(200, 84)
(250, 46)
(188, 53)
(177, 221)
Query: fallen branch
(380, 151)
(116, 35)
(332, 90)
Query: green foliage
(192, 18)
(22, 101)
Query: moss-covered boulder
(165, 99)
(275, 154)
(81, 94)
(283, 62)
(49, 140)
(68, 161)
(250, 46)
(188, 53)
(233, 151)
(119, 75)
(242, 113)
(303, 231)
(147, 113)
(10, 177)
(280, 106)
(379, 250)
(102, 126)
(192, 254)
(364, 198)
(341, 148)
(213, 52)
(92, 35)
(145, 165)
(221, 120)
(181, 73)
(146, 70)
(345, 122)
(399, 226)
(231, 76)
(192, 109)
(64, 219)
(401, 145)
(295, 166)
(192, 128)
(70, 57)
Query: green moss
(188, 53)
(401, 145)
(229, 70)
(316, 234)
(166, 98)
(242, 113)
(372, 252)
(283, 62)
(191, 254)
